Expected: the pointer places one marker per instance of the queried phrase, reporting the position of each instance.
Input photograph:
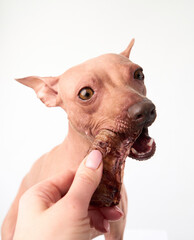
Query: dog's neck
(73, 149)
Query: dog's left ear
(127, 51)
(45, 87)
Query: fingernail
(106, 225)
(94, 159)
(119, 210)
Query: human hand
(58, 208)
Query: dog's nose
(142, 113)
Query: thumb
(86, 181)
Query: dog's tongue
(144, 147)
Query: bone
(114, 150)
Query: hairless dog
(107, 108)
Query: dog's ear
(127, 51)
(45, 88)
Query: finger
(98, 221)
(86, 180)
(42, 195)
(111, 213)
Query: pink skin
(115, 90)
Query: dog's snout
(142, 113)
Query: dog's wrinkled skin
(111, 76)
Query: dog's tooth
(150, 142)
(134, 151)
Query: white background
(44, 37)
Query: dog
(94, 94)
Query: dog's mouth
(140, 145)
(144, 146)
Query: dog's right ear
(46, 88)
(127, 51)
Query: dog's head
(106, 92)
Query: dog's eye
(138, 74)
(86, 93)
